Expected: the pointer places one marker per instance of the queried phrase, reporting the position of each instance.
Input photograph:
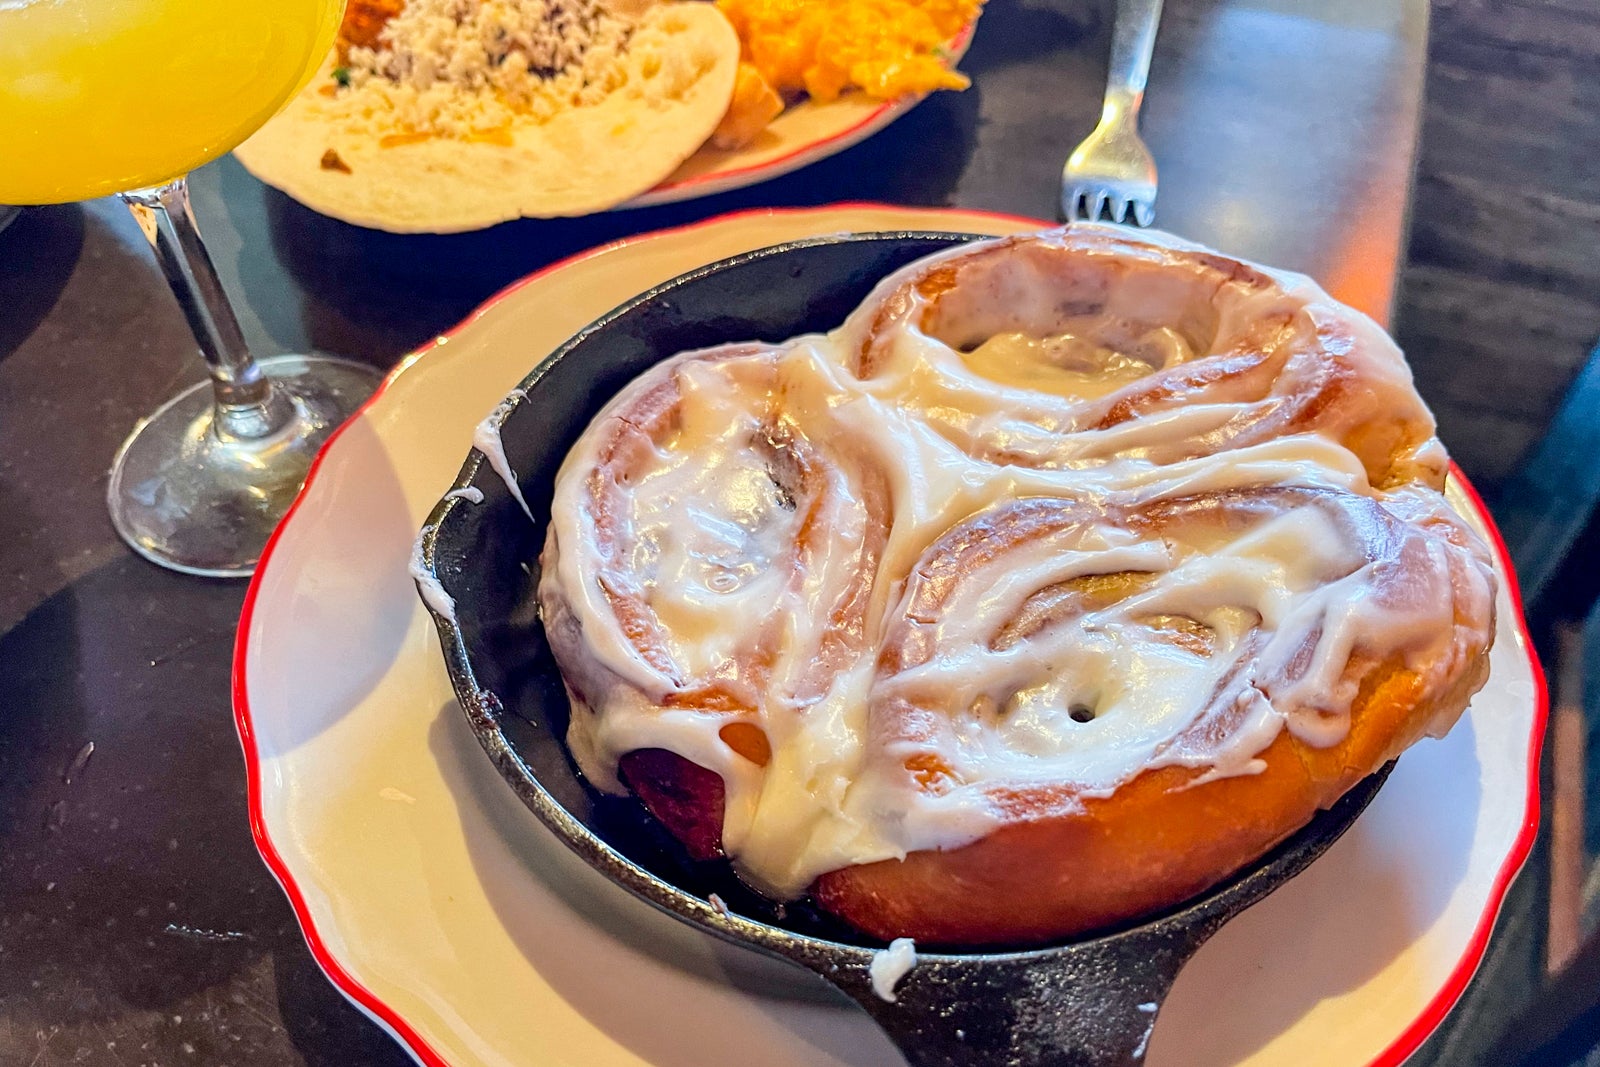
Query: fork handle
(1133, 39)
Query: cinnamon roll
(711, 564)
(1085, 344)
(1069, 575)
(1142, 695)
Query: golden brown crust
(1154, 843)
(684, 797)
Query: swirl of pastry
(706, 573)
(1089, 343)
(1126, 701)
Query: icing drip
(433, 594)
(891, 964)
(486, 439)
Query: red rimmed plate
(437, 904)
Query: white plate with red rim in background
(805, 132)
(439, 905)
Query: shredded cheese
(469, 69)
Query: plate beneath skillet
(435, 903)
(1090, 1002)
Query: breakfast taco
(440, 116)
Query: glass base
(186, 497)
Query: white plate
(437, 904)
(802, 134)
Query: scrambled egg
(885, 48)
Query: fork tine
(1089, 203)
(1112, 168)
(1069, 203)
(1080, 206)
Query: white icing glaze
(486, 439)
(1255, 622)
(470, 493)
(891, 964)
(433, 594)
(1073, 366)
(1150, 1028)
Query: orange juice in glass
(126, 97)
(104, 96)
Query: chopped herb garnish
(342, 76)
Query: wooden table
(137, 924)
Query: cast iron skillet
(1090, 1001)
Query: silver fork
(1112, 170)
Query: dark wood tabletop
(137, 923)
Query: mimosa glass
(126, 97)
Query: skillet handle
(1087, 1005)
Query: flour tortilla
(581, 160)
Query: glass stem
(248, 406)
